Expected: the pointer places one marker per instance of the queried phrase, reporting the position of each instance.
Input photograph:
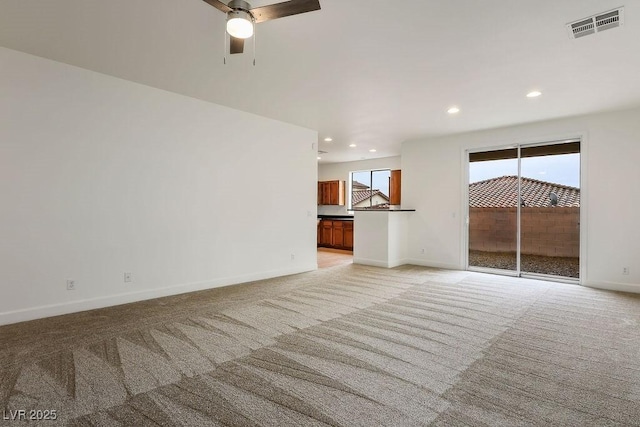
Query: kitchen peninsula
(381, 237)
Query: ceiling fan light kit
(239, 24)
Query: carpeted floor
(348, 345)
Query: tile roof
(362, 195)
(502, 192)
(359, 186)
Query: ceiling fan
(241, 17)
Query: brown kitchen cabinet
(335, 234)
(348, 234)
(331, 193)
(395, 187)
(326, 233)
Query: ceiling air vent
(596, 23)
(582, 28)
(609, 20)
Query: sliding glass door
(493, 217)
(524, 210)
(550, 212)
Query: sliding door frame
(581, 138)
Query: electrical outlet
(128, 277)
(422, 251)
(625, 271)
(71, 285)
(293, 257)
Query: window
(369, 189)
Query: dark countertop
(385, 210)
(340, 217)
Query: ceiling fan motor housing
(239, 5)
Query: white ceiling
(370, 72)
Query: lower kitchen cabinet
(335, 234)
(348, 234)
(325, 233)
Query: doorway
(524, 210)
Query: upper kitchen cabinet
(395, 187)
(331, 193)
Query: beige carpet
(343, 346)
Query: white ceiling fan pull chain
(224, 47)
(255, 33)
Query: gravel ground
(558, 266)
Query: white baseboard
(112, 300)
(404, 261)
(399, 262)
(433, 264)
(615, 286)
(371, 262)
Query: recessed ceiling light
(373, 150)
(534, 94)
(453, 110)
(352, 145)
(328, 139)
(319, 158)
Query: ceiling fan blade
(287, 8)
(219, 5)
(236, 46)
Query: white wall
(340, 171)
(433, 181)
(100, 176)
